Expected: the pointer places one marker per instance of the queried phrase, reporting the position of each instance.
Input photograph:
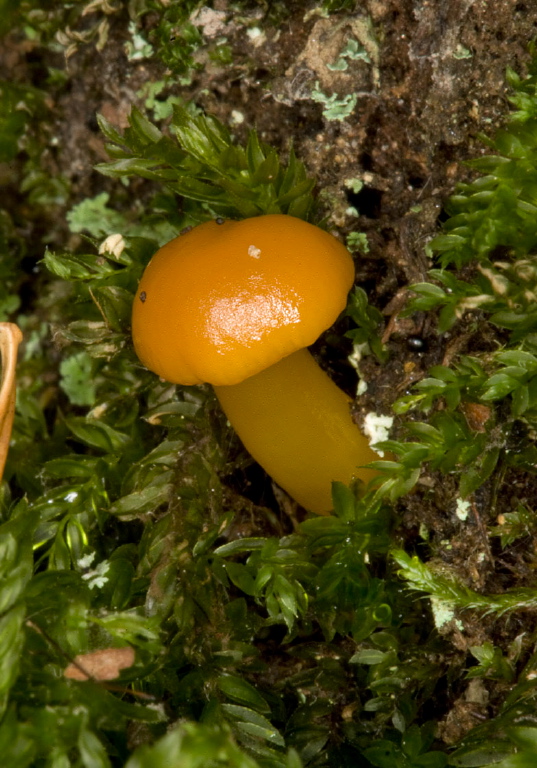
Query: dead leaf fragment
(105, 664)
(476, 415)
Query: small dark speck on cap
(185, 230)
(220, 220)
(143, 296)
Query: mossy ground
(384, 126)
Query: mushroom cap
(227, 300)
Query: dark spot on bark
(416, 182)
(367, 161)
(367, 201)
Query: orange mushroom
(236, 304)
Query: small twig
(10, 338)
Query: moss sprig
(203, 163)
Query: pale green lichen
(357, 241)
(461, 52)
(354, 184)
(462, 509)
(97, 577)
(443, 613)
(352, 51)
(137, 48)
(334, 107)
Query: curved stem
(10, 338)
(297, 424)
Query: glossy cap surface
(225, 301)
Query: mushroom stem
(10, 338)
(297, 424)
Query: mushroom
(235, 304)
(10, 338)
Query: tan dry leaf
(105, 664)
